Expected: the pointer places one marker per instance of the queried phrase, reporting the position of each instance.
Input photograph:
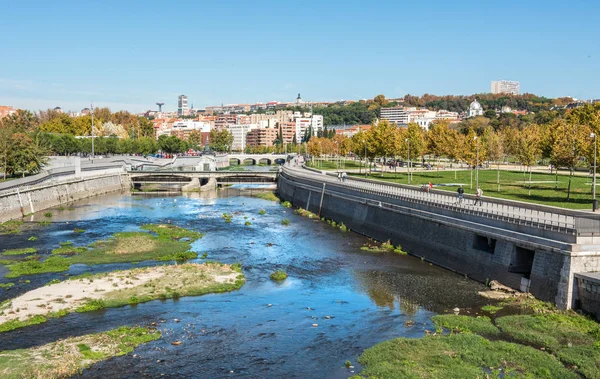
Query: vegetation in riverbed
(11, 227)
(70, 356)
(247, 223)
(466, 324)
(172, 232)
(270, 196)
(227, 217)
(262, 212)
(279, 275)
(78, 231)
(93, 292)
(285, 222)
(542, 343)
(44, 223)
(6, 285)
(458, 356)
(287, 204)
(32, 267)
(134, 247)
(491, 308)
(69, 250)
(305, 213)
(382, 248)
(32, 238)
(22, 251)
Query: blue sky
(130, 54)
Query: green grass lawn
(513, 185)
(333, 165)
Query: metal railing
(502, 211)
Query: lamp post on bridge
(476, 162)
(408, 158)
(594, 201)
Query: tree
(170, 144)
(529, 148)
(494, 147)
(381, 141)
(24, 156)
(21, 121)
(572, 142)
(220, 140)
(195, 140)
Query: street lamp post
(365, 143)
(476, 163)
(594, 201)
(408, 158)
(92, 109)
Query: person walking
(459, 194)
(478, 195)
(344, 176)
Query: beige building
(506, 86)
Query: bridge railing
(536, 217)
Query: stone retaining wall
(21, 202)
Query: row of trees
(565, 142)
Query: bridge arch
(265, 160)
(280, 160)
(251, 161)
(234, 162)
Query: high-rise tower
(182, 106)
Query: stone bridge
(268, 159)
(195, 180)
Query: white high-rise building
(398, 115)
(182, 106)
(303, 123)
(506, 86)
(239, 132)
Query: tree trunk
(471, 185)
(498, 178)
(556, 178)
(569, 187)
(529, 193)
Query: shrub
(279, 275)
(262, 212)
(48, 214)
(285, 222)
(287, 204)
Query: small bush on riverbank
(69, 356)
(384, 247)
(279, 275)
(287, 204)
(305, 213)
(25, 250)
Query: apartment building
(398, 115)
(506, 86)
(6, 110)
(262, 136)
(304, 123)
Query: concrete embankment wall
(482, 252)
(16, 203)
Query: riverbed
(337, 301)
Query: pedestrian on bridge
(459, 194)
(478, 195)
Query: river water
(265, 329)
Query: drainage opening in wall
(522, 261)
(484, 243)
(203, 181)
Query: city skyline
(275, 50)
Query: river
(265, 329)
